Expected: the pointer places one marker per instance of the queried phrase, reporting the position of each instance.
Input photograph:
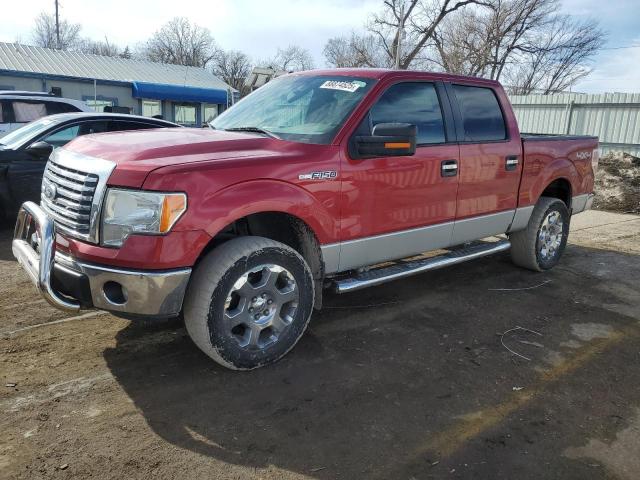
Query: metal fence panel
(613, 117)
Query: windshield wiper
(253, 129)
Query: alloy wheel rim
(550, 235)
(261, 305)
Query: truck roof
(380, 73)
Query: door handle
(449, 168)
(511, 162)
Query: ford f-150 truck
(324, 179)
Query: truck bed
(538, 137)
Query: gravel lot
(410, 380)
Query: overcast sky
(258, 27)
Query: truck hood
(137, 153)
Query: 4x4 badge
(328, 175)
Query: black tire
(224, 283)
(528, 249)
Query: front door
(490, 165)
(393, 207)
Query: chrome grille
(72, 190)
(67, 196)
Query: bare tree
(126, 53)
(104, 48)
(420, 19)
(292, 58)
(44, 33)
(355, 51)
(525, 42)
(559, 58)
(179, 42)
(233, 67)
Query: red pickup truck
(335, 178)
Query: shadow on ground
(383, 372)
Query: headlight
(129, 212)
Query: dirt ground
(481, 371)
(618, 183)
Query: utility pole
(400, 34)
(57, 27)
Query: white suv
(18, 108)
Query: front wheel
(249, 302)
(540, 246)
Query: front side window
(62, 137)
(186, 115)
(481, 114)
(298, 108)
(415, 103)
(151, 108)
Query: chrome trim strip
(589, 203)
(579, 203)
(407, 269)
(331, 257)
(352, 254)
(483, 226)
(521, 218)
(391, 246)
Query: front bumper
(70, 285)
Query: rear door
(398, 206)
(490, 163)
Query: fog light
(114, 293)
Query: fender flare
(559, 169)
(256, 196)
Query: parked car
(17, 108)
(24, 152)
(324, 178)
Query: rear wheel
(249, 302)
(540, 246)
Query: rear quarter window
(482, 117)
(60, 107)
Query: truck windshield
(299, 108)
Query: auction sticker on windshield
(344, 86)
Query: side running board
(403, 269)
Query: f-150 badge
(328, 175)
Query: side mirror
(40, 149)
(387, 140)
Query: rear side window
(60, 107)
(28, 111)
(481, 114)
(414, 103)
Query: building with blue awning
(190, 96)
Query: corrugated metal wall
(613, 117)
